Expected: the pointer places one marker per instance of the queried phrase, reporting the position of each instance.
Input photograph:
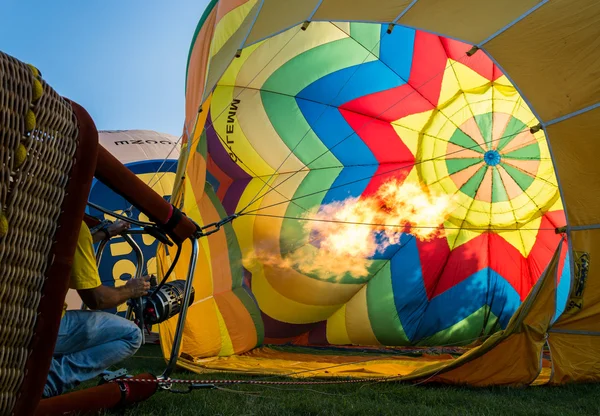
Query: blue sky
(123, 60)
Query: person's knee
(137, 338)
(127, 332)
(133, 337)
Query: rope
(252, 382)
(196, 384)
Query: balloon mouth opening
(492, 157)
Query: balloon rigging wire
(499, 229)
(368, 178)
(119, 216)
(365, 383)
(164, 161)
(250, 169)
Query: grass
(357, 399)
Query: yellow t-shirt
(84, 273)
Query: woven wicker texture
(38, 139)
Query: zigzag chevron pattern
(340, 109)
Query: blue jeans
(88, 343)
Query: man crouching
(90, 341)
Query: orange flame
(347, 230)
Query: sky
(124, 61)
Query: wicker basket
(41, 153)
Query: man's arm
(106, 297)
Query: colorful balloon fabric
(388, 187)
(300, 122)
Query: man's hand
(118, 227)
(112, 230)
(106, 297)
(138, 287)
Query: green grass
(357, 399)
